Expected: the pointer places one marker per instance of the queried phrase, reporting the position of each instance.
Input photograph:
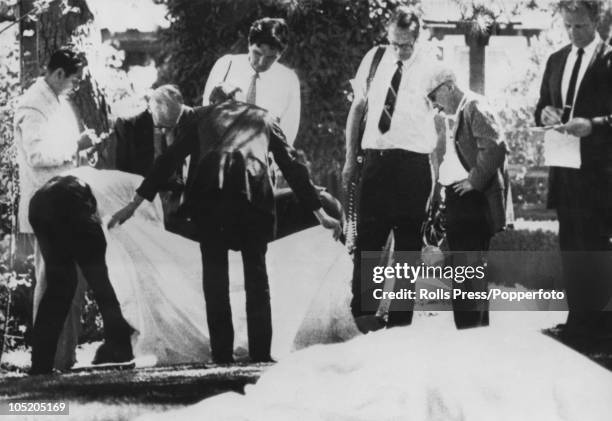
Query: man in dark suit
(576, 92)
(135, 143)
(230, 198)
(63, 215)
(471, 180)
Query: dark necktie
(385, 118)
(571, 90)
(252, 92)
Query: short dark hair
(270, 31)
(593, 8)
(405, 18)
(67, 59)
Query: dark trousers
(585, 253)
(64, 246)
(468, 236)
(394, 189)
(235, 225)
(582, 200)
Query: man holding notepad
(576, 101)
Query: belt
(393, 152)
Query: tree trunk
(52, 30)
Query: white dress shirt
(589, 51)
(451, 168)
(278, 89)
(46, 136)
(412, 125)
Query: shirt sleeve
(215, 77)
(290, 120)
(359, 82)
(39, 145)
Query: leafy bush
(524, 240)
(16, 269)
(15, 274)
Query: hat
(440, 73)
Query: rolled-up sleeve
(359, 82)
(290, 120)
(215, 77)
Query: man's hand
(329, 222)
(87, 139)
(125, 212)
(462, 187)
(551, 115)
(578, 126)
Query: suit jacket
(482, 151)
(590, 185)
(135, 149)
(229, 145)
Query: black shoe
(224, 361)
(266, 360)
(369, 323)
(36, 371)
(108, 353)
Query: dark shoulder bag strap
(373, 67)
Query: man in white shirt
(398, 137)
(261, 79)
(47, 139)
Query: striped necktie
(252, 92)
(385, 118)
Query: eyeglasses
(402, 46)
(432, 94)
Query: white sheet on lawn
(157, 279)
(425, 372)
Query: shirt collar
(405, 63)
(461, 106)
(260, 74)
(589, 49)
(49, 89)
(181, 114)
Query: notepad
(561, 150)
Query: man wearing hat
(471, 180)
